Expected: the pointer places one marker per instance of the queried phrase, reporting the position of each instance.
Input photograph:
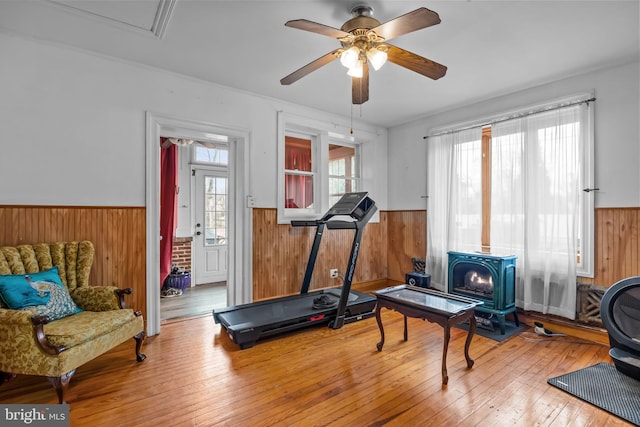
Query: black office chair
(620, 311)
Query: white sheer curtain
(535, 204)
(454, 205)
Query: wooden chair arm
(121, 293)
(41, 339)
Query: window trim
(322, 134)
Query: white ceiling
(490, 47)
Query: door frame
(239, 282)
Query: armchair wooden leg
(61, 384)
(6, 377)
(139, 339)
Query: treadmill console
(352, 204)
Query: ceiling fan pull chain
(351, 124)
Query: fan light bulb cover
(377, 58)
(349, 58)
(356, 70)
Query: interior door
(211, 226)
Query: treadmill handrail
(338, 225)
(304, 223)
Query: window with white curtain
(535, 206)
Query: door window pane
(215, 223)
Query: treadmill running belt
(268, 313)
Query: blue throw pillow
(40, 293)
(23, 290)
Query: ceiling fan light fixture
(364, 45)
(349, 58)
(376, 57)
(356, 70)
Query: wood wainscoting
(406, 239)
(617, 246)
(118, 235)
(281, 252)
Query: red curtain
(168, 196)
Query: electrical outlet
(333, 273)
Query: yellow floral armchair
(33, 344)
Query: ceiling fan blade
(412, 21)
(416, 63)
(310, 67)
(360, 86)
(314, 27)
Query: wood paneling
(617, 245)
(117, 233)
(281, 252)
(406, 239)
(195, 376)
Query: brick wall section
(182, 252)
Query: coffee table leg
(447, 335)
(472, 330)
(379, 320)
(406, 333)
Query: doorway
(238, 215)
(200, 244)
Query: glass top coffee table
(438, 307)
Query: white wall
(617, 136)
(73, 127)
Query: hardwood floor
(195, 301)
(195, 376)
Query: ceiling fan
(364, 40)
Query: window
(547, 160)
(298, 173)
(343, 171)
(515, 186)
(214, 152)
(210, 154)
(317, 167)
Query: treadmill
(247, 323)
